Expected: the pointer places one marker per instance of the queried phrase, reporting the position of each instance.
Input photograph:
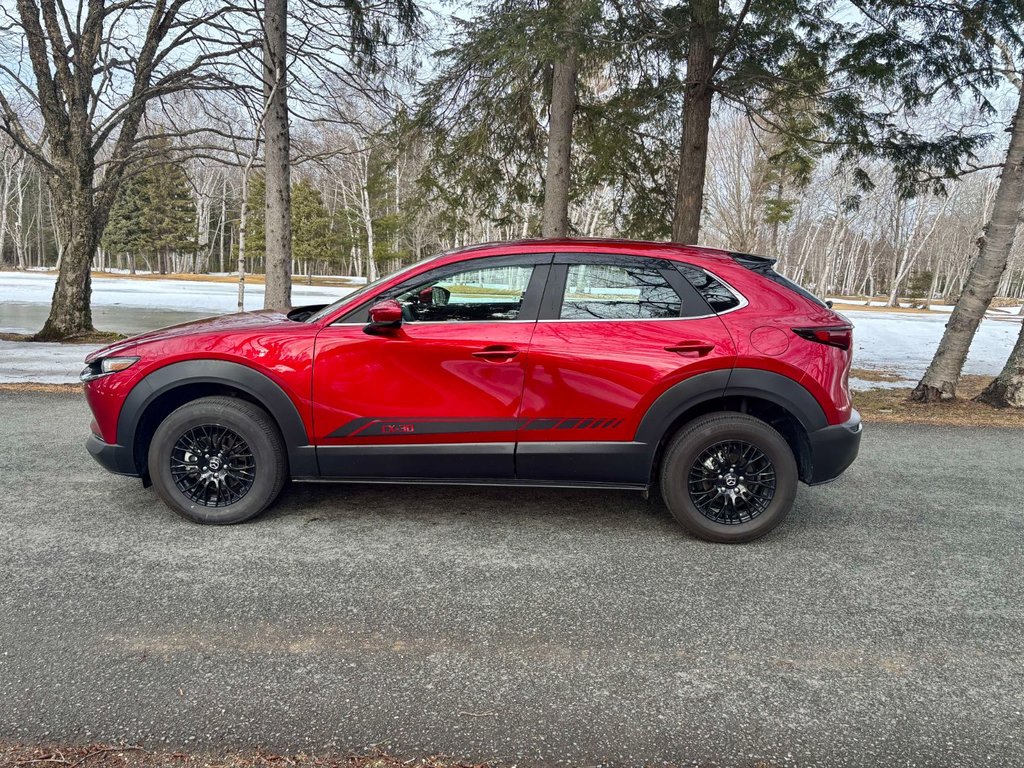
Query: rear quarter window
(719, 297)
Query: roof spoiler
(752, 262)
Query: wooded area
(870, 146)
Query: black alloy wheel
(728, 477)
(212, 465)
(218, 460)
(732, 482)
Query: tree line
(873, 147)
(181, 214)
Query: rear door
(437, 398)
(614, 332)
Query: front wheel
(728, 477)
(218, 460)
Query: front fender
(263, 389)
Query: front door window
(487, 295)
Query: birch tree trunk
(276, 153)
(371, 264)
(1007, 389)
(555, 216)
(693, 151)
(243, 223)
(4, 200)
(940, 380)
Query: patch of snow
(23, 361)
(185, 295)
(862, 385)
(884, 341)
(905, 343)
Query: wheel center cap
(214, 463)
(730, 481)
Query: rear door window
(618, 292)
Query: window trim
(531, 296)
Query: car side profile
(569, 363)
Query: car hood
(242, 321)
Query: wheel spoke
(732, 482)
(212, 465)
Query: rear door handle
(496, 353)
(698, 348)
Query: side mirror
(439, 296)
(384, 316)
(434, 296)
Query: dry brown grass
(107, 756)
(49, 389)
(333, 282)
(251, 279)
(842, 307)
(94, 338)
(867, 374)
(891, 406)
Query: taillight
(834, 335)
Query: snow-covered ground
(183, 295)
(902, 343)
(24, 362)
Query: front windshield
(368, 288)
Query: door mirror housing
(384, 316)
(434, 296)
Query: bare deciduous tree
(95, 68)
(940, 380)
(277, 160)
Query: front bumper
(113, 458)
(834, 448)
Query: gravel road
(883, 624)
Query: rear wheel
(728, 477)
(218, 460)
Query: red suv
(570, 363)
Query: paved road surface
(883, 624)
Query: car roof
(590, 244)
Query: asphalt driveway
(882, 624)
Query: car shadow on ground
(328, 501)
(500, 507)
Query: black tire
(250, 467)
(750, 506)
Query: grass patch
(841, 307)
(321, 280)
(106, 756)
(96, 337)
(297, 280)
(49, 389)
(867, 374)
(891, 406)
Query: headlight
(106, 366)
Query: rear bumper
(833, 449)
(113, 458)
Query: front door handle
(698, 348)
(497, 353)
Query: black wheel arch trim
(226, 373)
(704, 388)
(739, 382)
(781, 390)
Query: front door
(615, 331)
(438, 397)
